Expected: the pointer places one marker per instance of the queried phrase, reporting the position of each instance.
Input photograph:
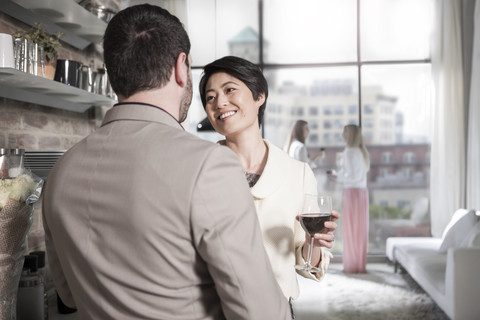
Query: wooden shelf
(18, 85)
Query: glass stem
(309, 254)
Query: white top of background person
(295, 145)
(356, 161)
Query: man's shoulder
(197, 144)
(199, 150)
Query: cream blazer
(278, 197)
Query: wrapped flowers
(17, 195)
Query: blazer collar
(140, 112)
(273, 174)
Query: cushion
(457, 215)
(462, 221)
(472, 239)
(420, 210)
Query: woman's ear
(261, 99)
(181, 69)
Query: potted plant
(50, 42)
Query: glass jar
(11, 162)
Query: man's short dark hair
(141, 45)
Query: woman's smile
(226, 115)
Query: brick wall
(35, 127)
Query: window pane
(309, 31)
(395, 108)
(320, 96)
(215, 32)
(396, 98)
(396, 129)
(395, 29)
(324, 90)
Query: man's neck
(156, 97)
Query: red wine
(314, 222)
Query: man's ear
(181, 69)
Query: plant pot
(50, 69)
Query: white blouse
(354, 171)
(298, 151)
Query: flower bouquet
(17, 196)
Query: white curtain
(447, 169)
(473, 160)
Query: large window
(334, 63)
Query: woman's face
(305, 131)
(230, 105)
(345, 134)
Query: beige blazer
(278, 197)
(145, 221)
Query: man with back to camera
(142, 220)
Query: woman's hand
(332, 174)
(325, 239)
(321, 239)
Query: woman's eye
(209, 98)
(230, 90)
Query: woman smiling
(234, 94)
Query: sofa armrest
(462, 283)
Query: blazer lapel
(273, 173)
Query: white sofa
(447, 268)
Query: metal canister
(87, 78)
(11, 162)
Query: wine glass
(317, 209)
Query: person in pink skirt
(353, 175)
